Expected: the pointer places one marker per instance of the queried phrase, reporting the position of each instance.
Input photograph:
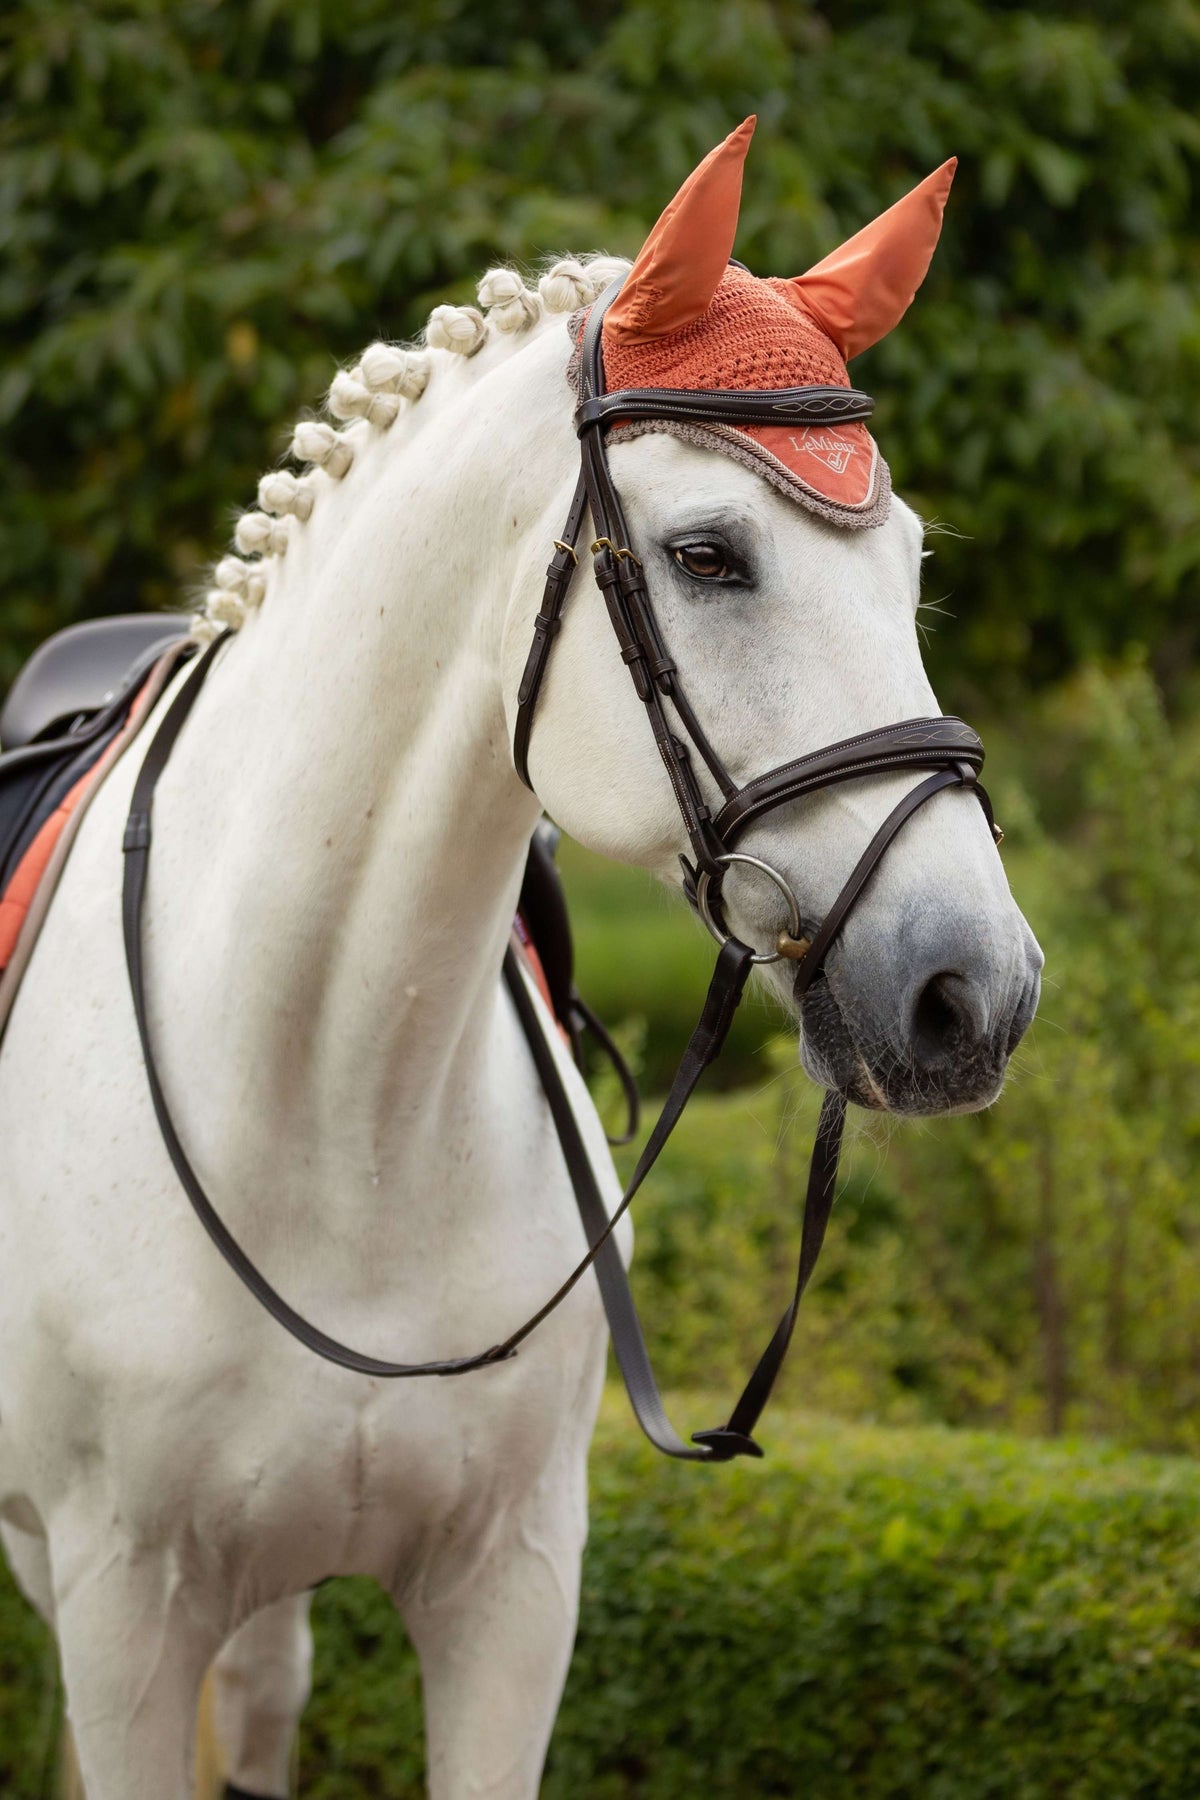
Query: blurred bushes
(886, 1614)
(30, 1703)
(1035, 1266)
(867, 1614)
(201, 206)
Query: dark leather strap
(913, 744)
(137, 856)
(727, 406)
(585, 1019)
(818, 1204)
(865, 867)
(735, 1437)
(621, 580)
(546, 626)
(629, 1344)
(725, 991)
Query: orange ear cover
(861, 291)
(679, 266)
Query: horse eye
(705, 561)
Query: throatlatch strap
(586, 1020)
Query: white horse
(340, 837)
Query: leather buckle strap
(137, 833)
(546, 625)
(617, 550)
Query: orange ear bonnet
(689, 318)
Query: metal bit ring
(795, 929)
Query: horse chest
(366, 1477)
(265, 1474)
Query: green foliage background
(203, 207)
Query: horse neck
(353, 823)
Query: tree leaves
(317, 172)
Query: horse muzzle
(921, 1028)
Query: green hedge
(880, 1614)
(869, 1613)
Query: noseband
(946, 747)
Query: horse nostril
(947, 1015)
(1023, 1016)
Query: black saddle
(64, 708)
(70, 677)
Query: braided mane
(385, 381)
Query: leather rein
(946, 747)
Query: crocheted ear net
(754, 336)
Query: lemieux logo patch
(827, 447)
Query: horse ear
(680, 264)
(862, 290)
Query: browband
(728, 406)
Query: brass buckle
(617, 550)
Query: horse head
(784, 579)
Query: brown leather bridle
(945, 746)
